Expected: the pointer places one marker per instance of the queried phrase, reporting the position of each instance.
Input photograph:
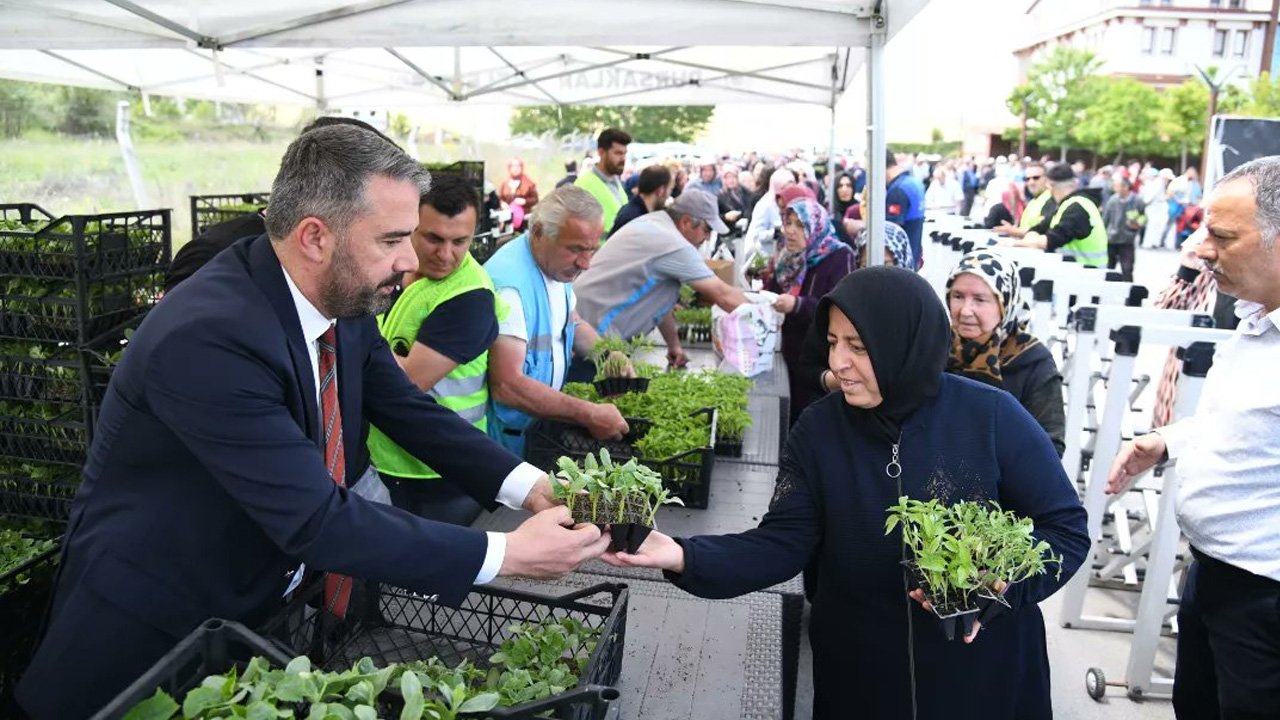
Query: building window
(1242, 43)
(1215, 3)
(1166, 3)
(1219, 43)
(1236, 4)
(1148, 40)
(1167, 40)
(1144, 3)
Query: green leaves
(967, 548)
(15, 550)
(157, 707)
(612, 491)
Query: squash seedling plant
(538, 660)
(967, 553)
(625, 497)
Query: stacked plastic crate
(72, 289)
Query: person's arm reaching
(723, 566)
(676, 356)
(510, 386)
(724, 295)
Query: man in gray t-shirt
(1124, 216)
(634, 280)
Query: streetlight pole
(1215, 87)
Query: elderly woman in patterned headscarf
(990, 341)
(812, 260)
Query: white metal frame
(1096, 501)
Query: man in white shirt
(542, 331)
(1229, 468)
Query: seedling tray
(729, 448)
(694, 334)
(23, 606)
(611, 387)
(208, 210)
(390, 624)
(686, 475)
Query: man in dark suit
(218, 463)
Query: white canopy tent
(404, 53)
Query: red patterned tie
(337, 588)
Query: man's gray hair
(325, 173)
(562, 204)
(1264, 173)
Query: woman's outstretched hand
(658, 551)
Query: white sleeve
(513, 326)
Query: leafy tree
(1122, 117)
(1056, 94)
(1184, 116)
(1264, 97)
(679, 123)
(87, 111)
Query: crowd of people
(345, 340)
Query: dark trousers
(432, 498)
(1121, 255)
(1228, 644)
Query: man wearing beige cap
(634, 281)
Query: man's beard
(343, 295)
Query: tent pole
(320, 101)
(875, 141)
(131, 166)
(831, 154)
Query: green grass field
(84, 175)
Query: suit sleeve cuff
(493, 557)
(515, 488)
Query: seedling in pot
(965, 556)
(622, 499)
(617, 371)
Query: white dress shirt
(1229, 451)
(515, 488)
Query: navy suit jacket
(205, 485)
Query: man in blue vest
(536, 342)
(904, 204)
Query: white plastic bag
(747, 338)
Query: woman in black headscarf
(899, 426)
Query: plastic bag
(747, 338)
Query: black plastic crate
(62, 440)
(92, 246)
(687, 475)
(389, 624)
(25, 594)
(76, 312)
(212, 649)
(729, 448)
(22, 496)
(45, 380)
(207, 210)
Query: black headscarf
(837, 216)
(907, 335)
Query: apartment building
(1159, 42)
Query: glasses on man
(1035, 177)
